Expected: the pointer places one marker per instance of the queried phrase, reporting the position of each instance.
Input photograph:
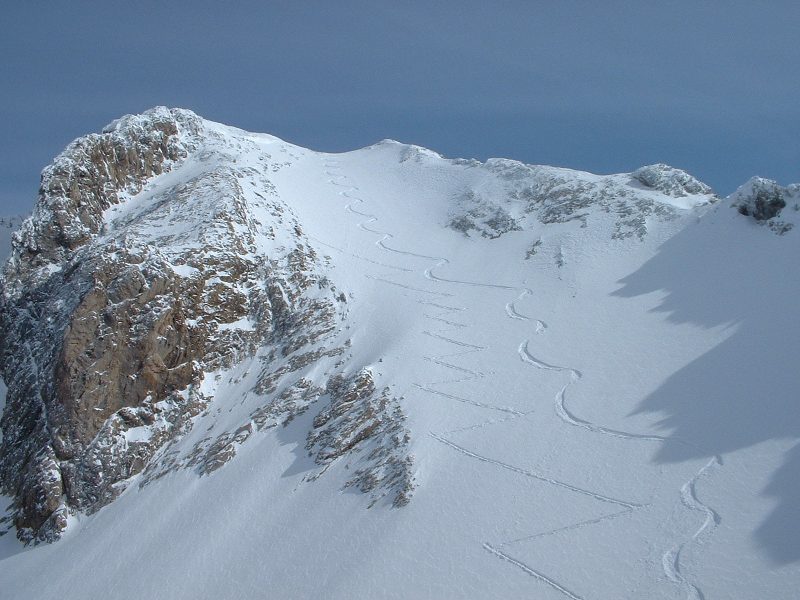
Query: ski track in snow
(671, 559)
(358, 256)
(537, 476)
(532, 572)
(671, 563)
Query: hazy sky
(711, 87)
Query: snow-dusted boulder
(670, 181)
(764, 200)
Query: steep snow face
(542, 382)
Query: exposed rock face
(764, 203)
(527, 194)
(372, 423)
(155, 257)
(95, 172)
(67, 359)
(669, 180)
(483, 216)
(358, 424)
(763, 200)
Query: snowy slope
(596, 372)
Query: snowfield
(599, 375)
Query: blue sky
(711, 87)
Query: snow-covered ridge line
(164, 205)
(506, 380)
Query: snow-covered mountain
(238, 368)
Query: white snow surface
(592, 417)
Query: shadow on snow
(745, 390)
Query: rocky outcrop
(670, 181)
(94, 173)
(357, 424)
(86, 331)
(482, 216)
(152, 259)
(368, 425)
(527, 195)
(764, 200)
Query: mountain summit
(536, 380)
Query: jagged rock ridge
(523, 194)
